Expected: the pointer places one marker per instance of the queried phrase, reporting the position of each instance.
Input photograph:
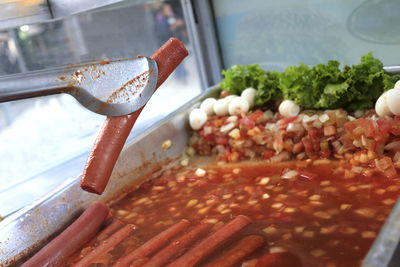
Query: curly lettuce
(324, 86)
(239, 77)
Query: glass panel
(276, 34)
(37, 134)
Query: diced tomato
(278, 144)
(217, 121)
(313, 132)
(383, 163)
(246, 122)
(350, 126)
(207, 136)
(329, 130)
(268, 153)
(395, 128)
(203, 182)
(391, 172)
(227, 154)
(370, 144)
(308, 145)
(234, 157)
(222, 140)
(384, 125)
(325, 154)
(297, 148)
(368, 128)
(386, 166)
(316, 145)
(288, 144)
(287, 120)
(254, 116)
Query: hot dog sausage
(237, 253)
(72, 238)
(106, 245)
(115, 130)
(153, 244)
(177, 247)
(108, 231)
(210, 243)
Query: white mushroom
(208, 105)
(238, 106)
(289, 108)
(249, 94)
(397, 85)
(197, 118)
(393, 101)
(381, 106)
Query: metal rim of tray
(380, 254)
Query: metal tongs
(108, 87)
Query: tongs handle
(32, 84)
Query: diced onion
(351, 118)
(277, 250)
(208, 105)
(307, 118)
(290, 174)
(317, 124)
(318, 253)
(393, 146)
(200, 172)
(269, 115)
(232, 119)
(197, 118)
(359, 113)
(208, 130)
(235, 134)
(294, 127)
(270, 126)
(356, 169)
(166, 144)
(324, 118)
(227, 127)
(249, 94)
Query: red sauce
(130, 88)
(319, 216)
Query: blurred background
(55, 132)
(44, 141)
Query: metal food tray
(24, 232)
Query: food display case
(219, 34)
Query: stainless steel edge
(384, 247)
(28, 229)
(392, 69)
